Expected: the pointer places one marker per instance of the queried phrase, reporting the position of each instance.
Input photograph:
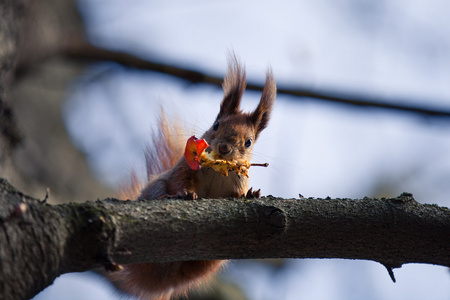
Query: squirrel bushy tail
(165, 148)
(161, 281)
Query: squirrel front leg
(175, 183)
(156, 189)
(252, 194)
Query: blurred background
(396, 52)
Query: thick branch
(39, 241)
(81, 50)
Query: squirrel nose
(224, 149)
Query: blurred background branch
(80, 49)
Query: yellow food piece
(240, 166)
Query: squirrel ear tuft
(260, 117)
(233, 88)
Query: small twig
(47, 192)
(259, 165)
(391, 272)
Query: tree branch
(80, 49)
(38, 241)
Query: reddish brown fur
(230, 139)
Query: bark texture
(39, 241)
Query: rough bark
(39, 241)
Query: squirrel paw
(189, 195)
(185, 195)
(253, 194)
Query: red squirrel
(231, 136)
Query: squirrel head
(234, 132)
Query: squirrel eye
(216, 126)
(248, 143)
